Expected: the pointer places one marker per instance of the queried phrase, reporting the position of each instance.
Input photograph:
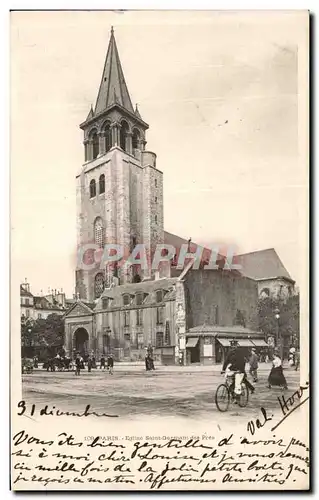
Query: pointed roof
(113, 89)
(263, 264)
(90, 115)
(137, 111)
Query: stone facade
(131, 210)
(120, 201)
(119, 186)
(33, 307)
(220, 298)
(276, 288)
(129, 317)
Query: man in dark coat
(110, 363)
(77, 365)
(253, 365)
(89, 364)
(236, 362)
(102, 362)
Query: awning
(245, 343)
(224, 342)
(192, 342)
(259, 343)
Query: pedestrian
(253, 365)
(151, 363)
(110, 363)
(297, 360)
(235, 362)
(147, 363)
(102, 362)
(291, 356)
(94, 363)
(77, 365)
(90, 363)
(276, 376)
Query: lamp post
(278, 335)
(108, 339)
(30, 340)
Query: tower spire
(113, 89)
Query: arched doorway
(81, 342)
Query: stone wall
(277, 288)
(207, 290)
(131, 208)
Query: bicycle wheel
(243, 399)
(222, 397)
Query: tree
(43, 337)
(288, 322)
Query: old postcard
(159, 250)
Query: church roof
(177, 242)
(113, 89)
(263, 264)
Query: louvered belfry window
(98, 285)
(99, 232)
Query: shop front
(210, 345)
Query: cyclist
(235, 362)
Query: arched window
(107, 138)
(99, 232)
(92, 188)
(126, 300)
(98, 285)
(159, 296)
(123, 135)
(265, 292)
(139, 299)
(95, 145)
(102, 184)
(135, 139)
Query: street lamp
(278, 336)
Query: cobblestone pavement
(166, 392)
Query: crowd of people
(65, 363)
(235, 366)
(235, 362)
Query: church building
(125, 308)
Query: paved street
(166, 392)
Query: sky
(221, 92)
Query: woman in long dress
(276, 376)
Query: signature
(288, 405)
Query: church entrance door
(81, 342)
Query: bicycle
(225, 394)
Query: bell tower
(119, 188)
